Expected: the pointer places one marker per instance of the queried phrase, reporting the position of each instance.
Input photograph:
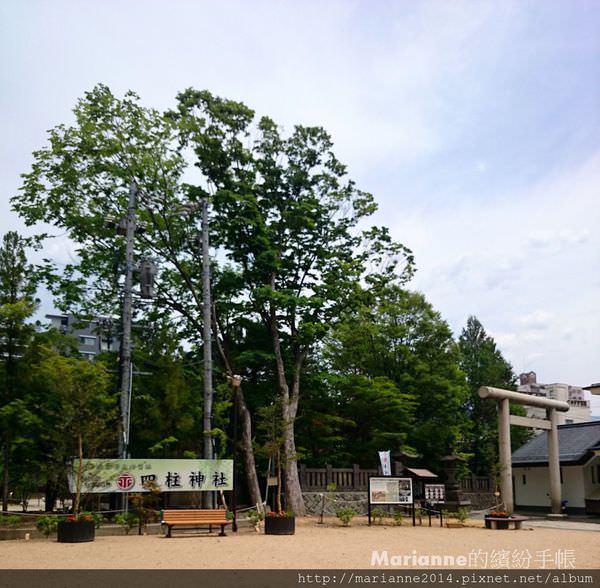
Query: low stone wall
(334, 500)
(481, 500)
(358, 501)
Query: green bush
(47, 525)
(398, 518)
(378, 515)
(10, 520)
(345, 515)
(128, 520)
(254, 516)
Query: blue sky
(475, 125)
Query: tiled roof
(574, 442)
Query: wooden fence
(352, 479)
(355, 479)
(477, 484)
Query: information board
(435, 493)
(390, 490)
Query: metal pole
(234, 526)
(125, 350)
(505, 454)
(207, 335)
(554, 463)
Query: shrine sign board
(170, 475)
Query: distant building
(579, 408)
(94, 336)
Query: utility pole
(125, 349)
(207, 336)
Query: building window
(568, 421)
(598, 474)
(593, 475)
(561, 476)
(524, 480)
(87, 340)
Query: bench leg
(222, 533)
(169, 531)
(518, 525)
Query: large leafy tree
(396, 334)
(484, 365)
(287, 217)
(17, 304)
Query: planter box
(75, 531)
(280, 525)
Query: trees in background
(484, 365)
(17, 305)
(397, 340)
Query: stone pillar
(505, 457)
(554, 463)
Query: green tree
(17, 304)
(484, 365)
(397, 335)
(77, 404)
(286, 216)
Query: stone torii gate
(550, 424)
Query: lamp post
(235, 382)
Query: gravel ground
(316, 546)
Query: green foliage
(397, 378)
(462, 514)
(47, 524)
(11, 520)
(144, 504)
(378, 514)
(345, 515)
(398, 518)
(483, 364)
(255, 517)
(127, 520)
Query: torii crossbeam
(505, 419)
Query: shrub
(47, 525)
(378, 515)
(345, 515)
(398, 518)
(128, 520)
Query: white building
(579, 448)
(93, 336)
(580, 410)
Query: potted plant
(501, 515)
(279, 521)
(76, 528)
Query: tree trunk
(248, 450)
(289, 408)
(79, 476)
(5, 466)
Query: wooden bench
(195, 518)
(505, 522)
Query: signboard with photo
(435, 493)
(170, 475)
(390, 490)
